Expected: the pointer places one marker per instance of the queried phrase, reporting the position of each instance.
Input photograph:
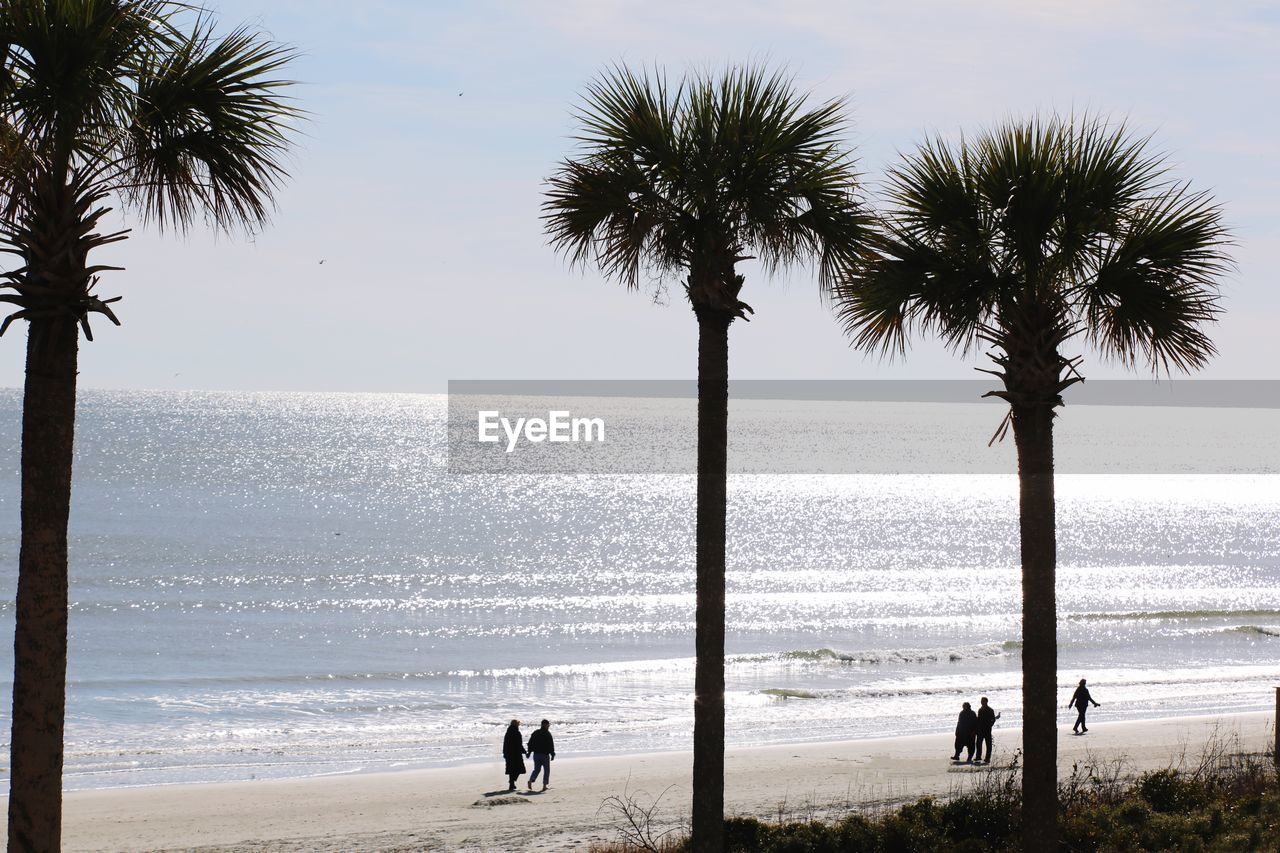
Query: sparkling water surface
(268, 585)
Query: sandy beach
(466, 807)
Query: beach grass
(1223, 799)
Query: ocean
(284, 585)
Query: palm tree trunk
(40, 636)
(55, 244)
(1033, 434)
(708, 703)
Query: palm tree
(689, 181)
(102, 99)
(1030, 235)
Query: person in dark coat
(986, 719)
(513, 751)
(966, 730)
(543, 749)
(1080, 700)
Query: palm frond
(934, 195)
(877, 298)
(714, 166)
(906, 285)
(1021, 179)
(1036, 232)
(141, 98)
(67, 70)
(19, 164)
(211, 129)
(1155, 287)
(780, 179)
(620, 202)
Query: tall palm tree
(690, 181)
(1022, 239)
(133, 100)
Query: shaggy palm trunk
(40, 635)
(1033, 434)
(54, 241)
(708, 702)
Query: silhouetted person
(986, 719)
(966, 730)
(1080, 700)
(543, 749)
(513, 752)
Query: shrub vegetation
(1229, 802)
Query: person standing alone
(543, 749)
(986, 719)
(1080, 700)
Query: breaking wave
(1255, 630)
(817, 656)
(791, 693)
(892, 656)
(1171, 614)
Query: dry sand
(448, 809)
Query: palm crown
(1035, 232)
(104, 98)
(696, 176)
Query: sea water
(281, 585)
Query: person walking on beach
(543, 749)
(986, 719)
(966, 730)
(1080, 700)
(513, 751)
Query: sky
(432, 126)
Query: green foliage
(1216, 811)
(857, 834)
(1169, 791)
(143, 100)
(1042, 227)
(975, 817)
(1135, 813)
(139, 101)
(702, 172)
(743, 833)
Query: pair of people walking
(974, 728)
(542, 747)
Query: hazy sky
(433, 125)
